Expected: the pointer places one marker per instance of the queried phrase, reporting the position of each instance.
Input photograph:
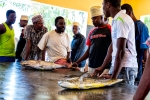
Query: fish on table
(86, 83)
(43, 65)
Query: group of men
(119, 47)
(35, 40)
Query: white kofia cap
(96, 11)
(24, 17)
(76, 23)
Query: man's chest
(100, 35)
(57, 41)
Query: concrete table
(17, 83)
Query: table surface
(17, 83)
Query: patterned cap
(96, 11)
(37, 18)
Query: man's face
(39, 25)
(106, 6)
(60, 26)
(97, 20)
(11, 18)
(75, 29)
(23, 23)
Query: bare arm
(43, 54)
(121, 43)
(146, 52)
(108, 57)
(2, 29)
(28, 48)
(144, 85)
(68, 57)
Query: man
(22, 41)
(122, 50)
(98, 41)
(7, 43)
(141, 35)
(144, 85)
(78, 46)
(33, 34)
(56, 42)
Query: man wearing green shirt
(7, 44)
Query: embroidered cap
(24, 17)
(76, 23)
(96, 11)
(37, 18)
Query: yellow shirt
(7, 44)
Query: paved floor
(17, 83)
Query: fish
(40, 65)
(86, 83)
(63, 61)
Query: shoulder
(124, 18)
(50, 33)
(2, 28)
(108, 26)
(81, 36)
(93, 29)
(126, 21)
(141, 24)
(45, 28)
(66, 34)
(29, 27)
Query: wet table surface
(17, 83)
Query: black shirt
(100, 39)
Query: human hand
(74, 64)
(105, 76)
(98, 71)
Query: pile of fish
(44, 65)
(87, 83)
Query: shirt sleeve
(69, 44)
(109, 27)
(27, 32)
(122, 29)
(88, 41)
(144, 36)
(43, 42)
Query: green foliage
(147, 22)
(2, 4)
(49, 13)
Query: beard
(60, 29)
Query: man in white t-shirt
(56, 42)
(122, 50)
